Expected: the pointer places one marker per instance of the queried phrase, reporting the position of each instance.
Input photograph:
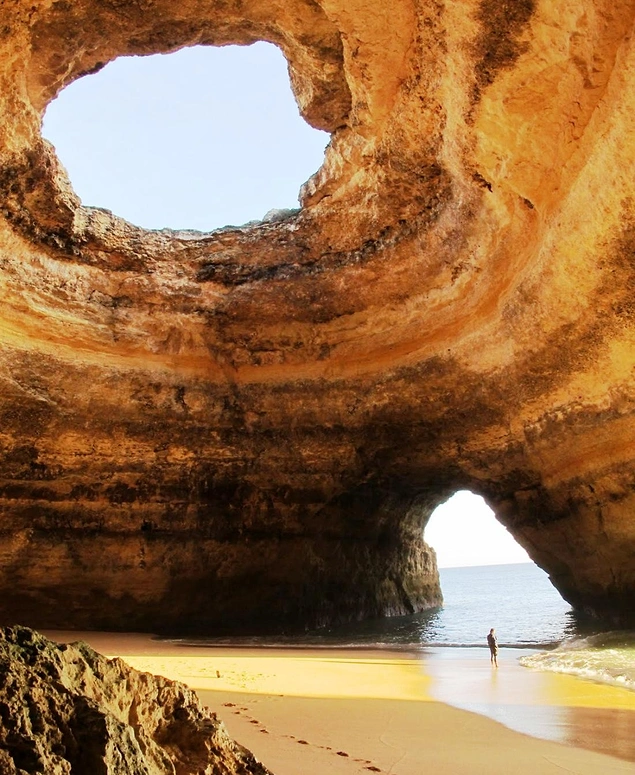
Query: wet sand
(550, 706)
(356, 711)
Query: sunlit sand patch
(307, 676)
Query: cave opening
(488, 580)
(464, 532)
(198, 139)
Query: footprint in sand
(369, 766)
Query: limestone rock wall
(65, 708)
(250, 428)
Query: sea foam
(607, 658)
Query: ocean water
(607, 657)
(517, 600)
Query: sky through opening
(198, 139)
(464, 531)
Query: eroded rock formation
(66, 709)
(251, 427)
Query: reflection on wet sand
(550, 706)
(607, 730)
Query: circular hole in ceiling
(198, 139)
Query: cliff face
(251, 427)
(67, 709)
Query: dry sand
(307, 712)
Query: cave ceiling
(253, 425)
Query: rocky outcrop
(67, 709)
(250, 428)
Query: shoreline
(347, 711)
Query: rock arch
(249, 428)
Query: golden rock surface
(251, 427)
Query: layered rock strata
(250, 428)
(66, 709)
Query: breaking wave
(607, 658)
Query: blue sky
(208, 137)
(200, 138)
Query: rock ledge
(66, 709)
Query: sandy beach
(357, 711)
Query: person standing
(493, 647)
